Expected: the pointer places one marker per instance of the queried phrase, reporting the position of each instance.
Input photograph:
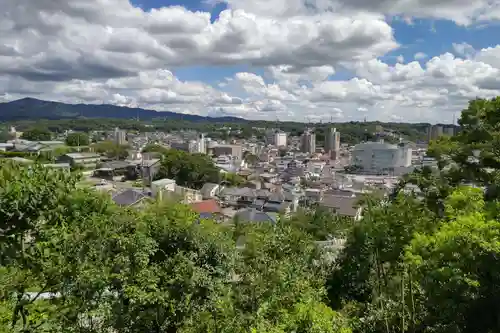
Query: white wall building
(120, 136)
(280, 139)
(380, 156)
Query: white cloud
(420, 56)
(108, 51)
(463, 12)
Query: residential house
(131, 198)
(209, 190)
(188, 195)
(159, 187)
(86, 160)
(254, 216)
(342, 205)
(208, 209)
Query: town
(257, 180)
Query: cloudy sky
(389, 60)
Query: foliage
(111, 149)
(37, 134)
(190, 170)
(77, 139)
(233, 179)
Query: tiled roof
(206, 206)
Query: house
(86, 160)
(158, 187)
(130, 198)
(342, 205)
(188, 195)
(209, 190)
(208, 209)
(254, 216)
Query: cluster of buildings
(285, 173)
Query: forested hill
(32, 109)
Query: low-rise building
(85, 160)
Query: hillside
(33, 109)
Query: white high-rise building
(332, 143)
(280, 139)
(201, 143)
(308, 142)
(120, 136)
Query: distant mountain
(33, 109)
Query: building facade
(380, 157)
(120, 136)
(434, 132)
(332, 143)
(280, 139)
(308, 142)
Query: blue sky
(264, 59)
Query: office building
(280, 139)
(235, 151)
(332, 143)
(380, 157)
(449, 130)
(201, 144)
(120, 136)
(434, 132)
(308, 142)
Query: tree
(111, 149)
(77, 139)
(233, 179)
(455, 270)
(37, 134)
(190, 170)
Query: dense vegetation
(425, 261)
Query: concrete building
(449, 130)
(201, 144)
(308, 142)
(235, 151)
(85, 160)
(434, 132)
(332, 143)
(280, 139)
(120, 136)
(380, 157)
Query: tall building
(120, 136)
(332, 143)
(434, 132)
(201, 144)
(449, 130)
(280, 139)
(308, 142)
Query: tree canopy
(190, 170)
(37, 134)
(77, 139)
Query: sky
(301, 60)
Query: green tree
(455, 270)
(233, 179)
(37, 134)
(77, 139)
(111, 149)
(190, 170)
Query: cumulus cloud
(463, 12)
(110, 51)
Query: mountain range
(33, 109)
